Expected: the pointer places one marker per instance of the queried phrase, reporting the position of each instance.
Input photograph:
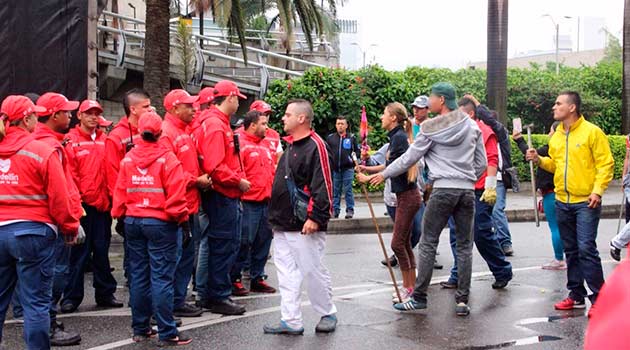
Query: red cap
(227, 88)
(260, 106)
(150, 122)
(177, 97)
(206, 95)
(89, 104)
(104, 122)
(17, 107)
(54, 102)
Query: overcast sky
(452, 33)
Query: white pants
(299, 258)
(622, 239)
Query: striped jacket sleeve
(321, 184)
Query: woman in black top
(544, 184)
(400, 134)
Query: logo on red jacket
(6, 177)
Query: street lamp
(557, 26)
(362, 52)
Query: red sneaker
(238, 290)
(260, 286)
(570, 304)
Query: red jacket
(272, 139)
(151, 184)
(219, 159)
(32, 183)
(176, 138)
(86, 158)
(115, 149)
(54, 139)
(260, 166)
(492, 152)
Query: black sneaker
(500, 284)
(508, 250)
(461, 309)
(448, 285)
(59, 337)
(226, 307)
(68, 307)
(615, 252)
(393, 262)
(349, 214)
(139, 338)
(110, 303)
(188, 310)
(437, 265)
(180, 339)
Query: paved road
(518, 317)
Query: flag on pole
(364, 130)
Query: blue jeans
(499, 219)
(549, 206)
(342, 184)
(578, 229)
(201, 275)
(416, 226)
(185, 266)
(486, 242)
(152, 245)
(27, 256)
(98, 234)
(224, 241)
(61, 274)
(255, 238)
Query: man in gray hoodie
(453, 150)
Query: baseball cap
(447, 91)
(227, 88)
(17, 107)
(89, 104)
(150, 122)
(104, 122)
(206, 95)
(421, 102)
(260, 106)
(54, 102)
(178, 97)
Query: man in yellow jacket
(580, 158)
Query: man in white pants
(300, 208)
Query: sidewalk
(519, 208)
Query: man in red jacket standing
(259, 165)
(272, 137)
(86, 159)
(217, 147)
(179, 106)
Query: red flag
(364, 129)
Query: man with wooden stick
(301, 206)
(452, 146)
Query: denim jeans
(152, 245)
(342, 184)
(499, 219)
(255, 239)
(224, 240)
(27, 256)
(98, 234)
(201, 275)
(416, 225)
(61, 275)
(578, 229)
(185, 265)
(444, 203)
(486, 242)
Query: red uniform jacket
(86, 158)
(259, 163)
(219, 159)
(32, 183)
(492, 152)
(115, 149)
(151, 184)
(176, 138)
(272, 139)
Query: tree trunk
(156, 52)
(625, 104)
(496, 86)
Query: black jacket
(309, 162)
(544, 179)
(503, 137)
(398, 144)
(341, 150)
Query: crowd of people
(198, 199)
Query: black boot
(59, 337)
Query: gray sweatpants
(443, 203)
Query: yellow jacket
(580, 160)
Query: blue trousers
(201, 275)
(27, 256)
(256, 239)
(185, 266)
(499, 219)
(61, 274)
(98, 236)
(152, 245)
(549, 206)
(342, 185)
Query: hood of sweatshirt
(448, 129)
(13, 141)
(145, 153)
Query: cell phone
(517, 126)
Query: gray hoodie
(453, 150)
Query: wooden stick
(533, 176)
(623, 202)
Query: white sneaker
(405, 294)
(555, 265)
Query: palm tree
(156, 51)
(625, 105)
(496, 86)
